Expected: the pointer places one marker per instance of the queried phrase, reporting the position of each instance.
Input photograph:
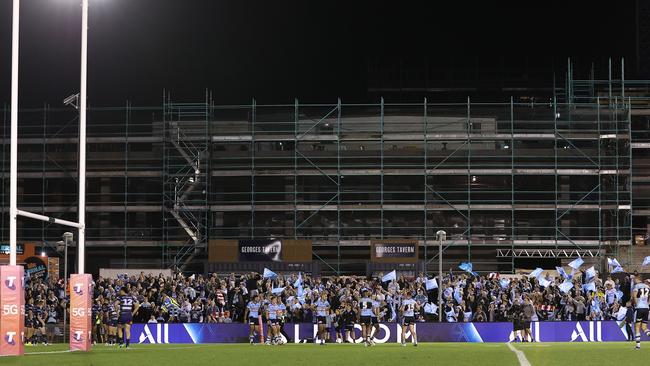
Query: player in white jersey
(640, 295)
(408, 317)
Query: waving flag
(269, 274)
(562, 272)
(590, 273)
(390, 276)
(576, 263)
(618, 269)
(565, 287)
(589, 287)
(431, 284)
(536, 273)
(504, 283)
(646, 261)
(543, 282)
(431, 308)
(467, 267)
(613, 262)
(277, 290)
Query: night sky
(314, 50)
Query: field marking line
(523, 361)
(46, 352)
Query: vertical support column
(623, 79)
(424, 186)
(381, 176)
(80, 310)
(126, 180)
(296, 122)
(512, 184)
(600, 188)
(13, 170)
(469, 183)
(253, 118)
(12, 302)
(555, 177)
(81, 242)
(43, 179)
(338, 186)
(630, 180)
(609, 80)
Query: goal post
(12, 287)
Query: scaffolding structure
(521, 178)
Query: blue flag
(467, 267)
(613, 262)
(536, 273)
(565, 287)
(504, 283)
(589, 287)
(618, 269)
(646, 261)
(269, 274)
(543, 282)
(576, 263)
(298, 286)
(277, 290)
(390, 276)
(590, 273)
(562, 272)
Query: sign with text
(394, 251)
(12, 308)
(80, 312)
(260, 250)
(587, 331)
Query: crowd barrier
(586, 331)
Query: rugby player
(640, 299)
(322, 307)
(366, 311)
(408, 318)
(252, 316)
(128, 307)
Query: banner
(589, 331)
(35, 267)
(80, 312)
(12, 303)
(395, 250)
(260, 250)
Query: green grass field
(574, 354)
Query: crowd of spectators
(223, 299)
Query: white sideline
(523, 361)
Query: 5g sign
(80, 311)
(10, 310)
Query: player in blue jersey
(252, 317)
(366, 310)
(322, 309)
(128, 306)
(408, 317)
(111, 315)
(274, 312)
(640, 295)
